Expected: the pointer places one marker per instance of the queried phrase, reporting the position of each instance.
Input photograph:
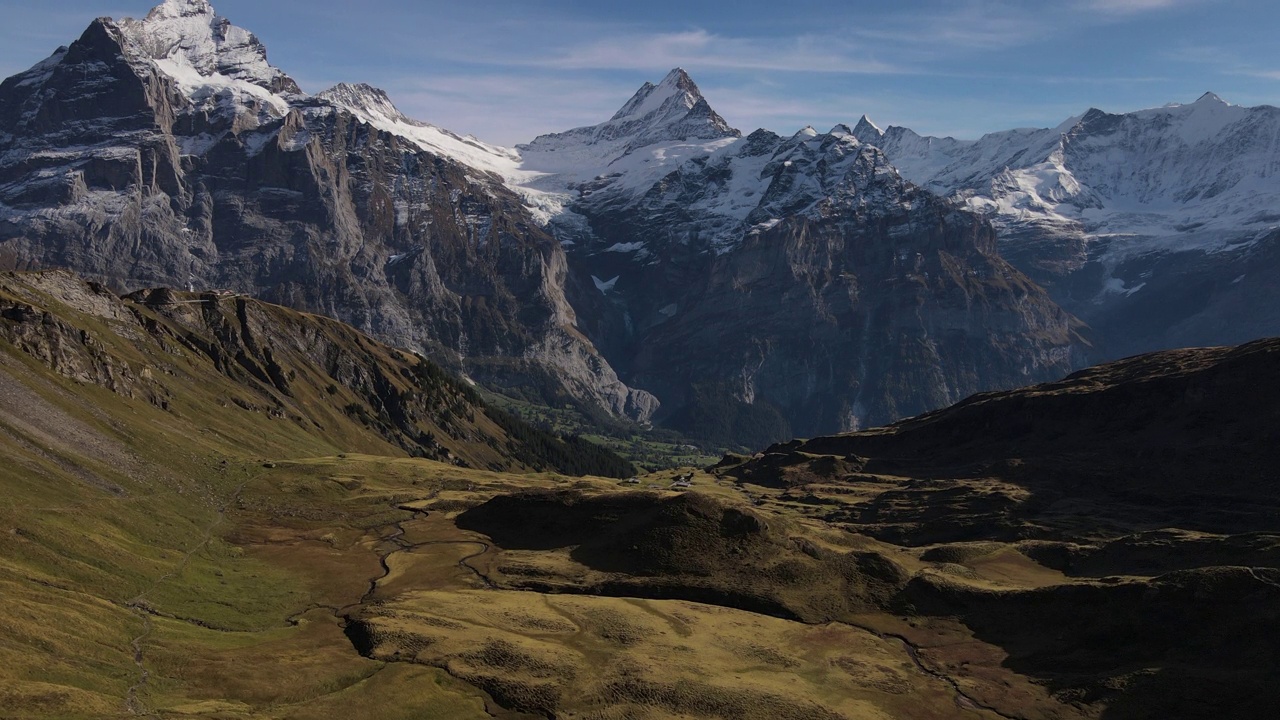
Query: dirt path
(133, 703)
(963, 699)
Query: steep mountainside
(764, 286)
(206, 359)
(1144, 224)
(167, 151)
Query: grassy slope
(199, 561)
(113, 517)
(202, 556)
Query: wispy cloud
(700, 48)
(973, 25)
(505, 108)
(1225, 61)
(1130, 7)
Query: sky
(508, 70)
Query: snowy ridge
(665, 152)
(373, 106)
(1196, 175)
(764, 180)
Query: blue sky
(506, 70)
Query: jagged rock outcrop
(167, 151)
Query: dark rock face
(845, 298)
(1182, 298)
(110, 167)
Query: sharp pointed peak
(867, 131)
(680, 80)
(676, 87)
(1211, 97)
(181, 8)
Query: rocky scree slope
(168, 152)
(1157, 227)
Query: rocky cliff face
(168, 151)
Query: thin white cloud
(1226, 61)
(509, 109)
(974, 25)
(1131, 7)
(699, 48)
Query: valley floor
(182, 538)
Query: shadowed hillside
(208, 359)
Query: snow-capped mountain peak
(188, 36)
(181, 8)
(670, 99)
(867, 131)
(1184, 175)
(660, 127)
(219, 67)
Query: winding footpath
(133, 703)
(963, 699)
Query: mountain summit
(201, 49)
(674, 109)
(671, 114)
(1157, 227)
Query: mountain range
(1157, 227)
(222, 501)
(659, 267)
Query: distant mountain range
(659, 266)
(1157, 227)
